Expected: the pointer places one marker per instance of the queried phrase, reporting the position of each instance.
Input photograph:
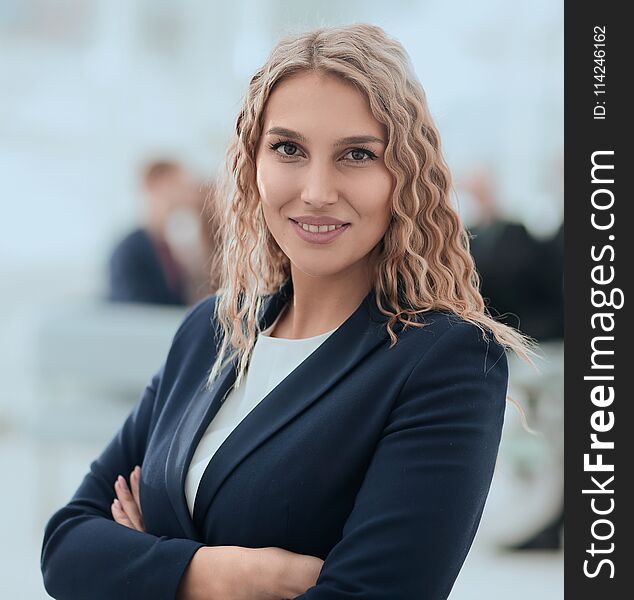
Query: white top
(271, 361)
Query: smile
(319, 228)
(318, 234)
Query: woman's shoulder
(447, 334)
(198, 320)
(193, 344)
(436, 323)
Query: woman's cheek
(374, 200)
(275, 187)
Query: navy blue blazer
(378, 460)
(135, 273)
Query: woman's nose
(320, 186)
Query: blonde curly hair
(424, 262)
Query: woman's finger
(119, 514)
(135, 477)
(127, 501)
(135, 484)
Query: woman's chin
(318, 267)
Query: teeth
(319, 228)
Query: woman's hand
(239, 573)
(126, 508)
(284, 574)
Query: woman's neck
(320, 304)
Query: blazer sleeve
(420, 503)
(86, 554)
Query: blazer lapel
(338, 354)
(196, 418)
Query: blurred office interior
(95, 90)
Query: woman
(353, 457)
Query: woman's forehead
(320, 105)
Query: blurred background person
(517, 271)
(146, 266)
(522, 284)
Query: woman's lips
(318, 238)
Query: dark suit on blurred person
(521, 277)
(142, 269)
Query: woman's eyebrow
(353, 139)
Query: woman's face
(320, 161)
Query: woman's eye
(360, 155)
(288, 148)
